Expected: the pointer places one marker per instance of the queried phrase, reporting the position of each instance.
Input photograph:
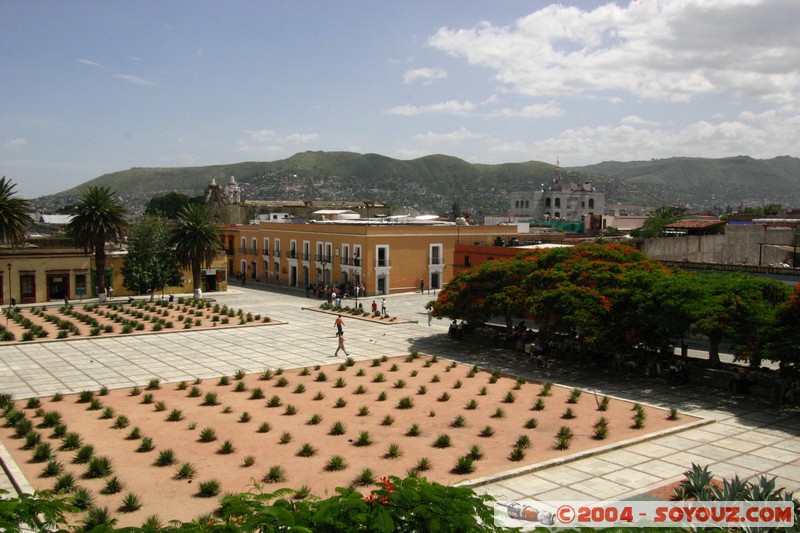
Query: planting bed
(43, 323)
(282, 435)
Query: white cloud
(136, 80)
(671, 50)
(452, 137)
(90, 63)
(14, 145)
(426, 75)
(550, 109)
(451, 107)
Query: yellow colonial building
(385, 255)
(51, 269)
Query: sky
(92, 87)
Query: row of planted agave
(465, 464)
(124, 318)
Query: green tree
(98, 218)
(491, 288)
(169, 204)
(196, 241)
(14, 218)
(150, 265)
(783, 335)
(40, 511)
(654, 226)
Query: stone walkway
(748, 437)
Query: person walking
(340, 347)
(374, 307)
(430, 315)
(339, 325)
(383, 307)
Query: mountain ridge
(435, 182)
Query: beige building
(51, 269)
(387, 256)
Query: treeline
(612, 299)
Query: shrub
(290, 410)
(165, 458)
(224, 381)
(42, 452)
(64, 483)
(340, 383)
(195, 392)
(382, 396)
(363, 439)
(487, 431)
(306, 450)
(458, 422)
(185, 471)
(248, 461)
(147, 398)
(360, 390)
(244, 417)
(435, 378)
(264, 427)
(210, 399)
(568, 414)
(240, 387)
(82, 498)
(603, 405)
(266, 375)
(154, 384)
(112, 485)
(145, 445)
(299, 389)
(673, 413)
(337, 428)
(387, 420)
(83, 454)
(32, 438)
(530, 423)
(364, 478)
(546, 386)
(175, 415)
(517, 454)
(208, 435)
(274, 401)
(335, 464)
(363, 410)
(226, 448)
(413, 431)
(406, 402)
(475, 452)
(399, 384)
(539, 405)
(52, 468)
(443, 397)
(97, 517)
(379, 378)
(499, 413)
(121, 422)
(98, 467)
(160, 406)
(574, 396)
(442, 441)
(319, 396)
(464, 465)
(340, 402)
(286, 438)
(134, 434)
(393, 451)
(108, 413)
(564, 438)
(275, 474)
(208, 489)
(523, 441)
(239, 375)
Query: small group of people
(336, 293)
(383, 307)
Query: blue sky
(91, 87)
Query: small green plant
(639, 419)
(195, 392)
(382, 396)
(112, 485)
(363, 439)
(64, 483)
(399, 384)
(52, 468)
(147, 398)
(266, 375)
(363, 410)
(530, 423)
(517, 454)
(82, 498)
(379, 378)
(443, 397)
(337, 428)
(98, 467)
(264, 427)
(568, 414)
(286, 438)
(464, 465)
(574, 396)
(275, 474)
(256, 393)
(435, 378)
(134, 434)
(165, 458)
(546, 386)
(365, 478)
(340, 383)
(290, 410)
(564, 438)
(414, 431)
(510, 397)
(299, 389)
(208, 435)
(406, 402)
(539, 405)
(154, 384)
(176, 415)
(108, 413)
(499, 413)
(457, 384)
(340, 402)
(321, 377)
(185, 471)
(226, 448)
(210, 399)
(523, 441)
(239, 375)
(335, 464)
(281, 382)
(145, 445)
(673, 413)
(85, 396)
(475, 452)
(442, 441)
(42, 452)
(208, 489)
(393, 451)
(306, 450)
(486, 431)
(83, 454)
(274, 401)
(603, 405)
(361, 389)
(57, 397)
(458, 422)
(314, 420)
(121, 422)
(240, 387)
(248, 461)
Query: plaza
(744, 436)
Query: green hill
(433, 183)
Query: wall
(740, 244)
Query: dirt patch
(435, 393)
(119, 318)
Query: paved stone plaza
(747, 436)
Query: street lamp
(9, 288)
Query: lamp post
(9, 290)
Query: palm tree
(98, 217)
(196, 241)
(14, 217)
